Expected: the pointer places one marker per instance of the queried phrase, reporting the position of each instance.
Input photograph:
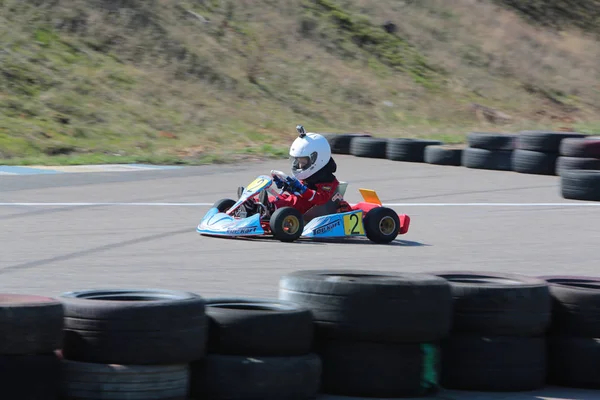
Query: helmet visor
(303, 163)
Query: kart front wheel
(224, 204)
(286, 224)
(382, 224)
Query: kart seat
(328, 208)
(341, 189)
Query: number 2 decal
(353, 225)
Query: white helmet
(309, 153)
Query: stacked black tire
(444, 154)
(368, 147)
(537, 151)
(579, 168)
(408, 149)
(257, 349)
(498, 341)
(486, 150)
(131, 344)
(574, 335)
(31, 329)
(340, 142)
(377, 333)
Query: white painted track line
(135, 204)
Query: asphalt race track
(75, 231)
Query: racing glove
(296, 186)
(278, 182)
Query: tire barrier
(537, 151)
(564, 163)
(443, 155)
(573, 333)
(340, 142)
(134, 343)
(492, 141)
(492, 151)
(368, 147)
(377, 333)
(257, 349)
(498, 160)
(355, 333)
(572, 156)
(410, 150)
(579, 168)
(494, 348)
(580, 184)
(124, 381)
(543, 141)
(578, 153)
(31, 330)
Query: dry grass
(202, 79)
(494, 53)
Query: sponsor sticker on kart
(337, 196)
(241, 231)
(326, 228)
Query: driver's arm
(322, 194)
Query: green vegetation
(560, 14)
(203, 81)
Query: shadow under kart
(335, 219)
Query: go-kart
(334, 219)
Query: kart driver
(312, 183)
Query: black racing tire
(443, 155)
(564, 163)
(381, 224)
(489, 303)
(408, 149)
(381, 370)
(543, 141)
(30, 377)
(369, 147)
(494, 363)
(579, 184)
(534, 162)
(284, 215)
(372, 305)
(588, 147)
(257, 327)
(30, 324)
(573, 362)
(93, 381)
(266, 378)
(491, 141)
(134, 326)
(224, 204)
(340, 142)
(499, 160)
(576, 305)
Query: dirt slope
(206, 80)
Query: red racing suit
(322, 193)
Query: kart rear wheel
(224, 204)
(286, 224)
(382, 225)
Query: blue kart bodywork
(222, 224)
(216, 223)
(326, 221)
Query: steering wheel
(283, 176)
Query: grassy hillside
(210, 80)
(560, 14)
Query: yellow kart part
(370, 196)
